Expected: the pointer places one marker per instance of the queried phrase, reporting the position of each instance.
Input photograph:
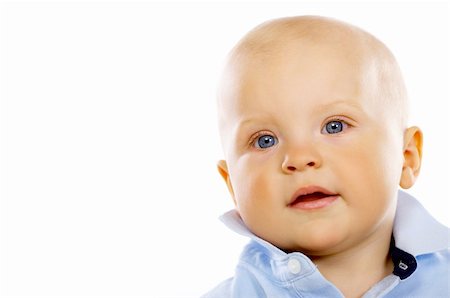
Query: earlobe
(223, 171)
(412, 156)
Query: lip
(314, 204)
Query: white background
(109, 143)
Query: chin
(321, 243)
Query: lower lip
(315, 204)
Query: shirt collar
(233, 221)
(415, 230)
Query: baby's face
(314, 157)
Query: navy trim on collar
(404, 263)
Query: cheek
(369, 168)
(253, 182)
(383, 164)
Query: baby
(313, 122)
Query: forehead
(298, 73)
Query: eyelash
(337, 119)
(255, 137)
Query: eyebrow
(328, 106)
(249, 120)
(351, 104)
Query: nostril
(311, 164)
(291, 168)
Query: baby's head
(312, 116)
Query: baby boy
(313, 122)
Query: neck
(355, 270)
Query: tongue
(311, 197)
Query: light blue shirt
(421, 257)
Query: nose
(301, 159)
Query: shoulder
(249, 280)
(436, 262)
(221, 290)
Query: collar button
(294, 266)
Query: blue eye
(335, 126)
(266, 141)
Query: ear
(412, 156)
(223, 170)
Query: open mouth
(312, 198)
